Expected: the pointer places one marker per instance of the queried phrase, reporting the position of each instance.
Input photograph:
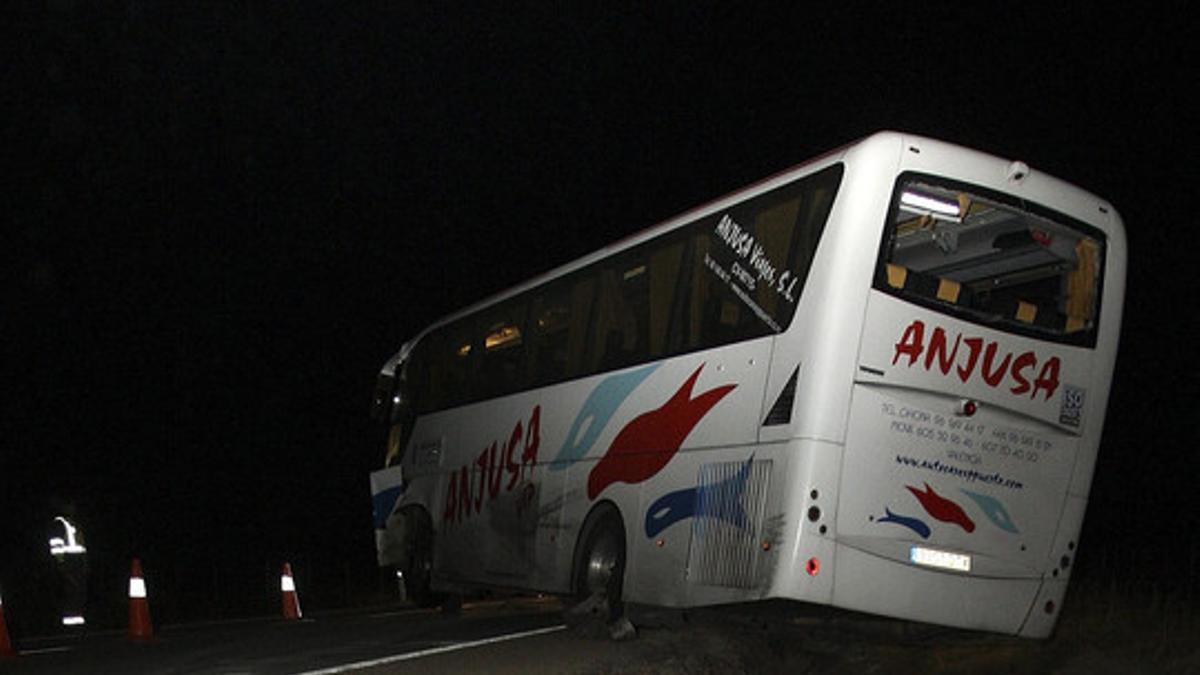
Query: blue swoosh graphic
(914, 524)
(722, 501)
(670, 509)
(596, 412)
(383, 502)
(994, 510)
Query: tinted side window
(500, 339)
(549, 334)
(733, 275)
(752, 259)
(621, 321)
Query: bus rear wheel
(600, 569)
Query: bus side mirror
(381, 402)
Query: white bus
(875, 381)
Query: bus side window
(666, 291)
(698, 301)
(607, 334)
(583, 297)
(418, 377)
(502, 355)
(635, 296)
(775, 229)
(447, 358)
(621, 320)
(549, 329)
(717, 315)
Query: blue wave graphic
(915, 524)
(722, 501)
(670, 509)
(994, 510)
(596, 412)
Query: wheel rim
(602, 562)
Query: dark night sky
(223, 218)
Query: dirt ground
(1093, 638)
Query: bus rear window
(992, 259)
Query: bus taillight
(813, 567)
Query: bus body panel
(988, 486)
(387, 493)
(497, 518)
(827, 326)
(810, 508)
(867, 582)
(715, 554)
(1001, 490)
(916, 348)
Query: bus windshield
(992, 259)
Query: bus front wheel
(418, 561)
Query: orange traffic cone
(6, 648)
(291, 601)
(140, 629)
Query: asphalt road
(322, 642)
(527, 635)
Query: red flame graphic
(941, 508)
(645, 445)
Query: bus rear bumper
(871, 583)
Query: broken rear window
(992, 259)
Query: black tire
(418, 565)
(451, 603)
(600, 566)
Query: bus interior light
(502, 336)
(919, 203)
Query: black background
(222, 218)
